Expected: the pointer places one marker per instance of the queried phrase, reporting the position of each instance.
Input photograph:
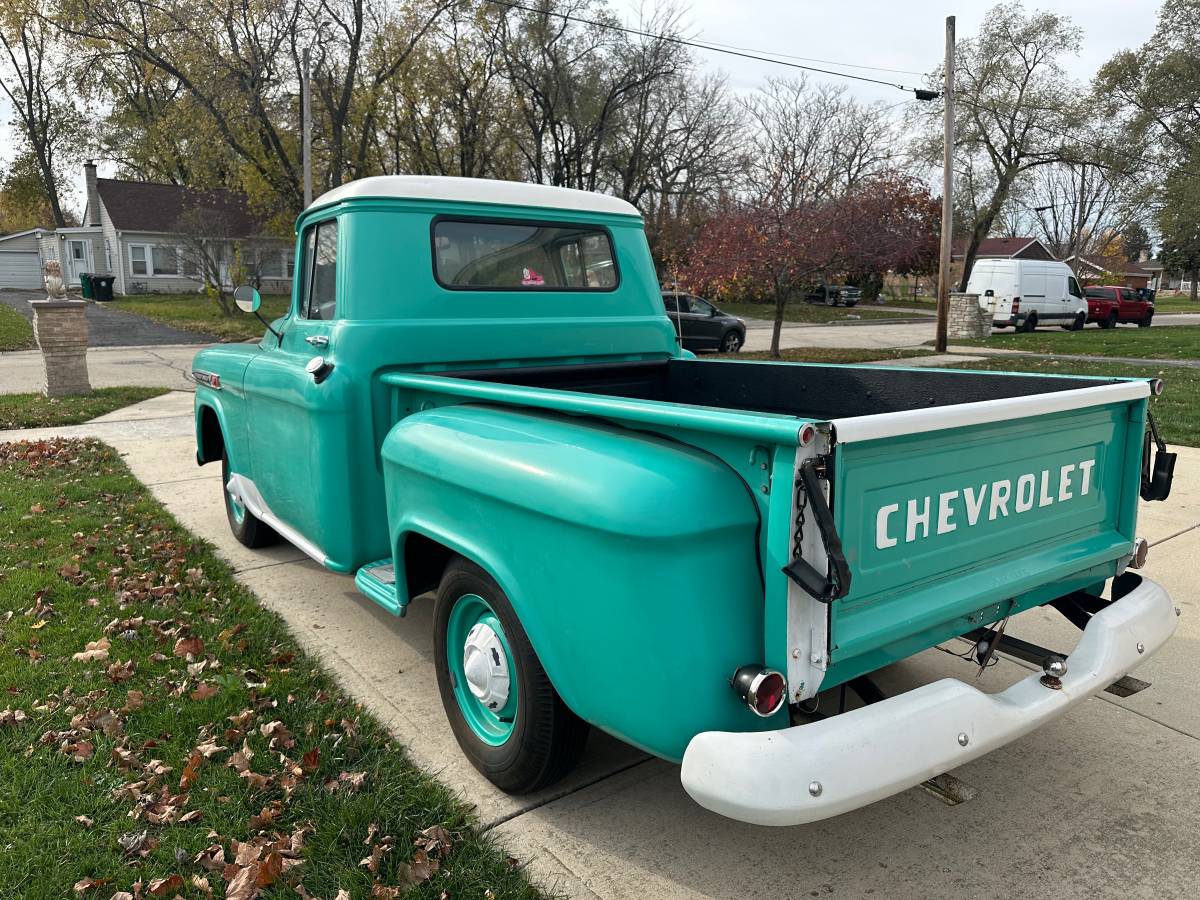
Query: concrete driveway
(1101, 803)
(108, 327)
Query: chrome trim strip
(245, 492)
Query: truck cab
(476, 399)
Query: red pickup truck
(1110, 305)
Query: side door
(285, 403)
(704, 323)
(1033, 294)
(1131, 307)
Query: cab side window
(319, 300)
(1073, 287)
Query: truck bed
(811, 391)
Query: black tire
(1030, 323)
(850, 303)
(1111, 321)
(547, 738)
(1080, 321)
(1145, 323)
(249, 531)
(731, 341)
(831, 299)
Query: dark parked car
(701, 326)
(834, 294)
(1110, 305)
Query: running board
(378, 581)
(1126, 686)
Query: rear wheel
(1030, 323)
(1145, 323)
(831, 298)
(505, 713)
(731, 342)
(246, 528)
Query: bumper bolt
(814, 788)
(1178, 612)
(1141, 648)
(963, 739)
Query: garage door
(20, 269)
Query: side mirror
(247, 298)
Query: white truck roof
(477, 190)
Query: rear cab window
(522, 255)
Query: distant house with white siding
(131, 231)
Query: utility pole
(943, 299)
(306, 115)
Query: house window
(289, 263)
(270, 264)
(165, 260)
(137, 259)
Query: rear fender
(630, 559)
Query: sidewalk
(1101, 803)
(166, 365)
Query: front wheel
(1111, 321)
(505, 713)
(249, 531)
(1080, 321)
(731, 342)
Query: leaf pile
(166, 737)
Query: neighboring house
(131, 231)
(999, 248)
(20, 259)
(1006, 248)
(1093, 269)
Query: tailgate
(978, 510)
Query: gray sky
(883, 33)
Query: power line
(920, 93)
(828, 62)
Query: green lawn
(1177, 411)
(836, 355)
(164, 734)
(15, 332)
(1181, 342)
(195, 312)
(799, 311)
(38, 411)
(1164, 303)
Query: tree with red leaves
(763, 248)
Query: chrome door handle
(317, 340)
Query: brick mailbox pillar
(967, 318)
(62, 334)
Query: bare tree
(1017, 108)
(209, 250)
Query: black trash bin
(102, 286)
(85, 282)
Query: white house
(131, 231)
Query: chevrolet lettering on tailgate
(944, 513)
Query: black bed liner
(810, 390)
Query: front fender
(630, 559)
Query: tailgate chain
(834, 582)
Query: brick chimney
(93, 193)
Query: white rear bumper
(771, 777)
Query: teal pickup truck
(476, 392)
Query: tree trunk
(777, 328)
(1193, 295)
(983, 224)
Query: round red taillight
(770, 693)
(763, 689)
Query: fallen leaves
(189, 648)
(205, 690)
(12, 716)
(93, 651)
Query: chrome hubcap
(485, 665)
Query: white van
(1026, 293)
